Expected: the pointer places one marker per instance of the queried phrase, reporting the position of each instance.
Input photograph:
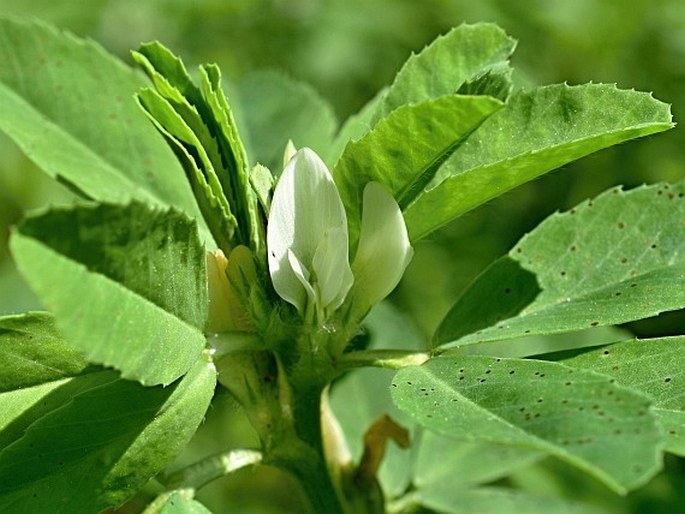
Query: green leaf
(177, 502)
(653, 366)
(199, 125)
(502, 291)
(611, 260)
(353, 129)
(127, 284)
(461, 55)
(69, 106)
(24, 362)
(90, 442)
(200, 171)
(445, 499)
(536, 132)
(464, 464)
(579, 416)
(404, 151)
(277, 109)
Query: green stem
(392, 359)
(306, 460)
(206, 470)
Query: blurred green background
(348, 49)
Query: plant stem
(204, 471)
(393, 359)
(306, 460)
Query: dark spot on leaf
(667, 379)
(394, 384)
(482, 380)
(621, 225)
(507, 290)
(624, 260)
(614, 368)
(672, 432)
(633, 285)
(539, 400)
(564, 401)
(653, 246)
(568, 383)
(408, 383)
(461, 378)
(563, 273)
(511, 372)
(537, 415)
(488, 371)
(618, 293)
(618, 431)
(606, 352)
(594, 323)
(522, 409)
(573, 248)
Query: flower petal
(384, 251)
(332, 269)
(305, 206)
(303, 276)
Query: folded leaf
(536, 132)
(404, 151)
(461, 55)
(617, 258)
(200, 127)
(127, 285)
(655, 367)
(579, 416)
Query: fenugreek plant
(248, 242)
